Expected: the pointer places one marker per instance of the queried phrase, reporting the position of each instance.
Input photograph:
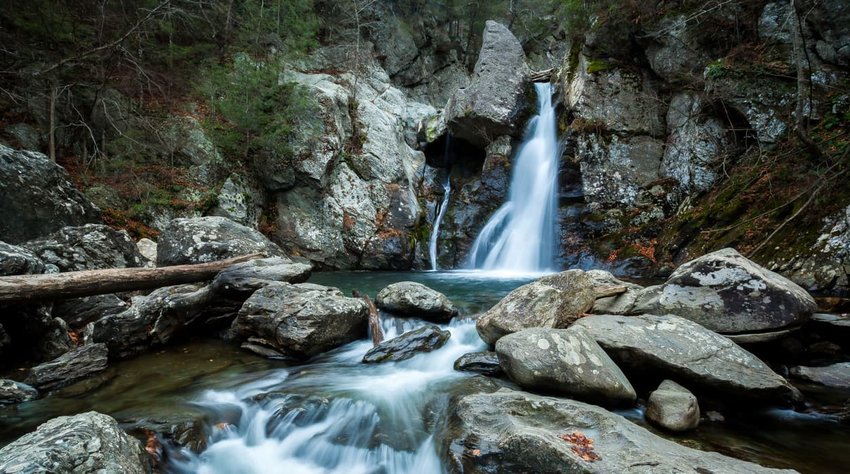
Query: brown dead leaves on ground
(581, 445)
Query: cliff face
(688, 127)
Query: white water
(435, 232)
(521, 235)
(333, 416)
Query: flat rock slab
(241, 280)
(512, 431)
(408, 298)
(69, 367)
(554, 301)
(88, 443)
(567, 361)
(678, 348)
(425, 339)
(835, 375)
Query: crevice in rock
(458, 152)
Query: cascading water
(435, 232)
(521, 235)
(335, 415)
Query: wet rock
(511, 431)
(87, 443)
(241, 280)
(408, 298)
(673, 407)
(15, 260)
(554, 301)
(485, 363)
(88, 247)
(425, 339)
(675, 347)
(76, 364)
(16, 392)
(44, 201)
(566, 361)
(207, 239)
(151, 320)
(495, 102)
(727, 293)
(835, 375)
(300, 320)
(78, 312)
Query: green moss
(597, 65)
(716, 69)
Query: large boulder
(511, 431)
(728, 293)
(566, 361)
(39, 198)
(299, 320)
(88, 247)
(425, 339)
(408, 298)
(554, 301)
(69, 367)
(496, 100)
(16, 392)
(673, 407)
(243, 279)
(88, 443)
(207, 239)
(151, 320)
(670, 346)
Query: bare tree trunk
(374, 318)
(804, 84)
(51, 138)
(53, 286)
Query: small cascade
(441, 211)
(521, 235)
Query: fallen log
(542, 76)
(54, 286)
(374, 318)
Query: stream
(333, 414)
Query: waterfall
(521, 235)
(435, 231)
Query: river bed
(333, 414)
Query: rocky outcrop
(207, 239)
(69, 367)
(495, 102)
(485, 363)
(411, 299)
(672, 407)
(88, 443)
(835, 375)
(425, 339)
(509, 431)
(299, 321)
(565, 361)
(554, 301)
(16, 392)
(241, 280)
(239, 200)
(88, 247)
(44, 201)
(15, 260)
(728, 293)
(674, 347)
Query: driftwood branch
(53, 286)
(542, 76)
(374, 319)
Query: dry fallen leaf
(581, 445)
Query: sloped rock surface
(88, 247)
(69, 367)
(425, 339)
(207, 239)
(408, 298)
(242, 279)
